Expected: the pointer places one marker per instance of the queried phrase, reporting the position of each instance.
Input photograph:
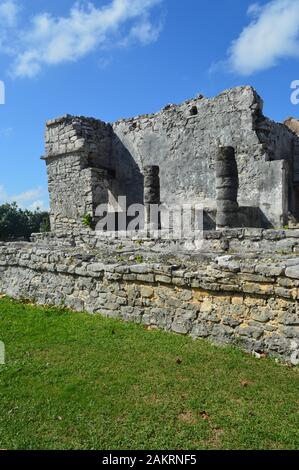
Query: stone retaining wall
(234, 299)
(232, 241)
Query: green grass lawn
(75, 381)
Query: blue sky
(120, 58)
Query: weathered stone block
(146, 292)
(293, 272)
(251, 331)
(261, 314)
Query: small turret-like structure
(79, 166)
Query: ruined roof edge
(68, 117)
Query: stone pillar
(152, 197)
(227, 185)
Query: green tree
(18, 223)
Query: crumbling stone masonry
(227, 184)
(249, 298)
(152, 196)
(238, 284)
(183, 141)
(80, 168)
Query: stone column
(227, 185)
(152, 197)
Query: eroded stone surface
(89, 161)
(237, 285)
(242, 299)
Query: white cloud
(254, 9)
(8, 13)
(49, 40)
(272, 35)
(39, 204)
(145, 32)
(30, 199)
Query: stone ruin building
(236, 282)
(90, 162)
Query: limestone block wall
(228, 299)
(183, 141)
(252, 242)
(79, 166)
(71, 134)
